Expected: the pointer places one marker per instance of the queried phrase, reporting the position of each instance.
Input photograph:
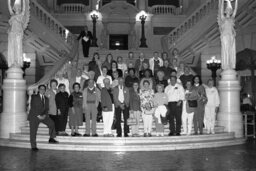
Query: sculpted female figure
(226, 21)
(18, 23)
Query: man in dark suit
(121, 100)
(38, 113)
(87, 37)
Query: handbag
(192, 103)
(163, 120)
(113, 127)
(132, 120)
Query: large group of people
(157, 90)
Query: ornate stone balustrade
(50, 22)
(194, 18)
(75, 8)
(165, 9)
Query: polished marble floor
(234, 158)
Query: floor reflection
(240, 157)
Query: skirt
(76, 119)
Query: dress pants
(55, 120)
(199, 118)
(91, 114)
(135, 128)
(118, 120)
(174, 113)
(209, 118)
(86, 47)
(62, 121)
(108, 118)
(34, 123)
(147, 121)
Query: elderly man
(155, 63)
(121, 100)
(91, 99)
(176, 95)
(108, 107)
(187, 76)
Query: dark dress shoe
(53, 141)
(149, 135)
(77, 134)
(86, 135)
(170, 134)
(119, 135)
(178, 134)
(73, 135)
(145, 134)
(126, 135)
(34, 149)
(95, 135)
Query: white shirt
(121, 94)
(78, 79)
(212, 96)
(101, 78)
(175, 93)
(123, 67)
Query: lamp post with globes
(143, 39)
(213, 64)
(94, 17)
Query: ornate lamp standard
(213, 64)
(143, 39)
(94, 17)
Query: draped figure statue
(18, 23)
(226, 21)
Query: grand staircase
(201, 27)
(154, 143)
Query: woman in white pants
(147, 106)
(189, 105)
(211, 107)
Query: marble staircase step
(121, 147)
(45, 130)
(128, 140)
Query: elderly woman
(135, 109)
(211, 107)
(121, 64)
(76, 112)
(201, 101)
(147, 106)
(189, 106)
(147, 77)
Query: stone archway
(118, 17)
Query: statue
(226, 21)
(18, 23)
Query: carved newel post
(229, 115)
(14, 87)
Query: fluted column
(14, 114)
(229, 115)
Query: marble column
(14, 114)
(229, 115)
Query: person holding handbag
(189, 106)
(160, 100)
(147, 106)
(135, 109)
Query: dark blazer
(106, 101)
(88, 34)
(61, 100)
(37, 107)
(126, 96)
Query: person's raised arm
(235, 10)
(9, 7)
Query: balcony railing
(165, 9)
(75, 8)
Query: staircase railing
(52, 24)
(71, 40)
(165, 9)
(188, 24)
